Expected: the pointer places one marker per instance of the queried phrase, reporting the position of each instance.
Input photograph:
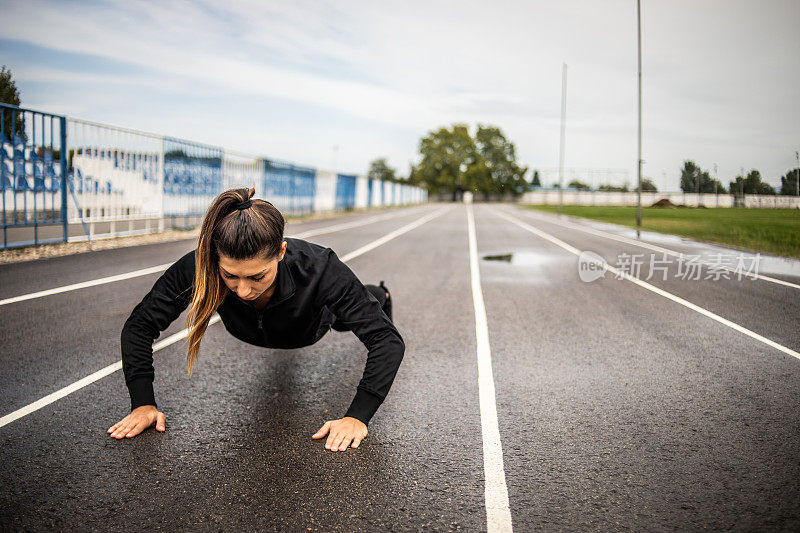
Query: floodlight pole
(563, 131)
(639, 160)
(741, 186)
(797, 183)
(697, 192)
(716, 181)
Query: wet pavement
(617, 408)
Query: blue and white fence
(66, 179)
(33, 175)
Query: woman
(268, 291)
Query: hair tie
(244, 205)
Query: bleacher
(27, 168)
(192, 177)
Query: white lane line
(348, 225)
(498, 513)
(161, 268)
(84, 284)
(656, 248)
(650, 287)
(396, 233)
(91, 378)
(172, 339)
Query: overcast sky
(291, 79)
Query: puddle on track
(520, 258)
(526, 266)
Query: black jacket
(314, 289)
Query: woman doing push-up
(269, 291)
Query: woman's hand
(342, 433)
(140, 419)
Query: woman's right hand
(140, 419)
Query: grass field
(774, 231)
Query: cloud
(375, 76)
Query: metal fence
(66, 179)
(290, 188)
(345, 191)
(33, 176)
(116, 177)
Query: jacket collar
(285, 287)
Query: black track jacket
(313, 290)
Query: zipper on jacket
(262, 332)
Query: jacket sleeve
(168, 298)
(356, 308)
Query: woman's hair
(256, 231)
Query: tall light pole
(797, 184)
(639, 158)
(716, 181)
(741, 186)
(697, 189)
(563, 132)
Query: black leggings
(379, 295)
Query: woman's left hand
(342, 433)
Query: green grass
(774, 231)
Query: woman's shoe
(387, 305)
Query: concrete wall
(649, 198)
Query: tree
(452, 161)
(578, 185)
(380, 170)
(9, 94)
(789, 182)
(535, 181)
(751, 184)
(607, 187)
(446, 155)
(499, 157)
(413, 175)
(648, 185)
(692, 176)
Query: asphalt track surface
(617, 408)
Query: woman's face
(249, 278)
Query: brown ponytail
(237, 233)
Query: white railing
(128, 181)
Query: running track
(527, 399)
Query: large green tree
(454, 161)
(578, 184)
(535, 181)
(648, 185)
(751, 184)
(691, 174)
(379, 169)
(789, 182)
(505, 176)
(9, 94)
(446, 156)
